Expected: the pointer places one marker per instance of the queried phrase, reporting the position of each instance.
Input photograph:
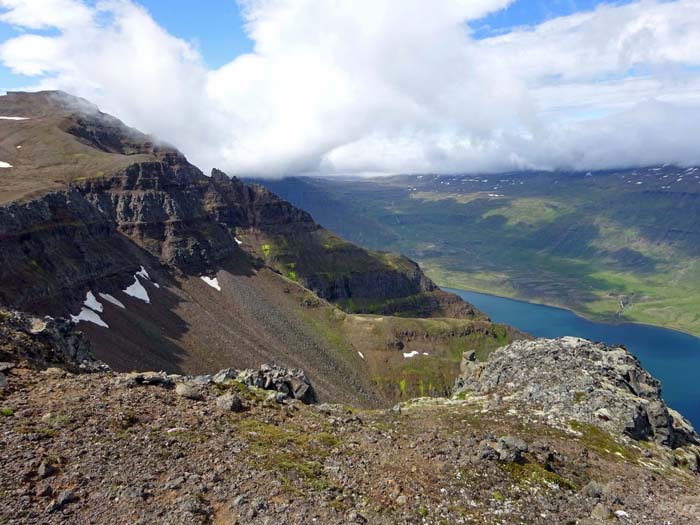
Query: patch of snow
(361, 355)
(621, 514)
(213, 282)
(410, 354)
(5, 164)
(143, 273)
(88, 315)
(640, 182)
(138, 291)
(111, 299)
(19, 147)
(426, 353)
(13, 118)
(92, 302)
(237, 241)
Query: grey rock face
(45, 343)
(289, 381)
(572, 378)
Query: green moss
(291, 451)
(600, 441)
(579, 397)
(6, 412)
(534, 473)
(461, 396)
(266, 248)
(402, 387)
(327, 440)
(58, 421)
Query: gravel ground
(98, 449)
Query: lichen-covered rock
(289, 381)
(575, 379)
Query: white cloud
(384, 86)
(44, 14)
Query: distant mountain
(165, 268)
(613, 245)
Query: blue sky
(218, 32)
(533, 12)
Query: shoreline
(592, 319)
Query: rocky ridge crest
(575, 379)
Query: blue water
(670, 356)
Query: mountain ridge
(164, 267)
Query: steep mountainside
(165, 268)
(620, 244)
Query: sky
(294, 87)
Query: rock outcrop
(292, 383)
(575, 379)
(45, 342)
(288, 383)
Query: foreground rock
(104, 448)
(575, 379)
(149, 447)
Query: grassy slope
(585, 243)
(43, 155)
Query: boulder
(290, 381)
(189, 391)
(230, 403)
